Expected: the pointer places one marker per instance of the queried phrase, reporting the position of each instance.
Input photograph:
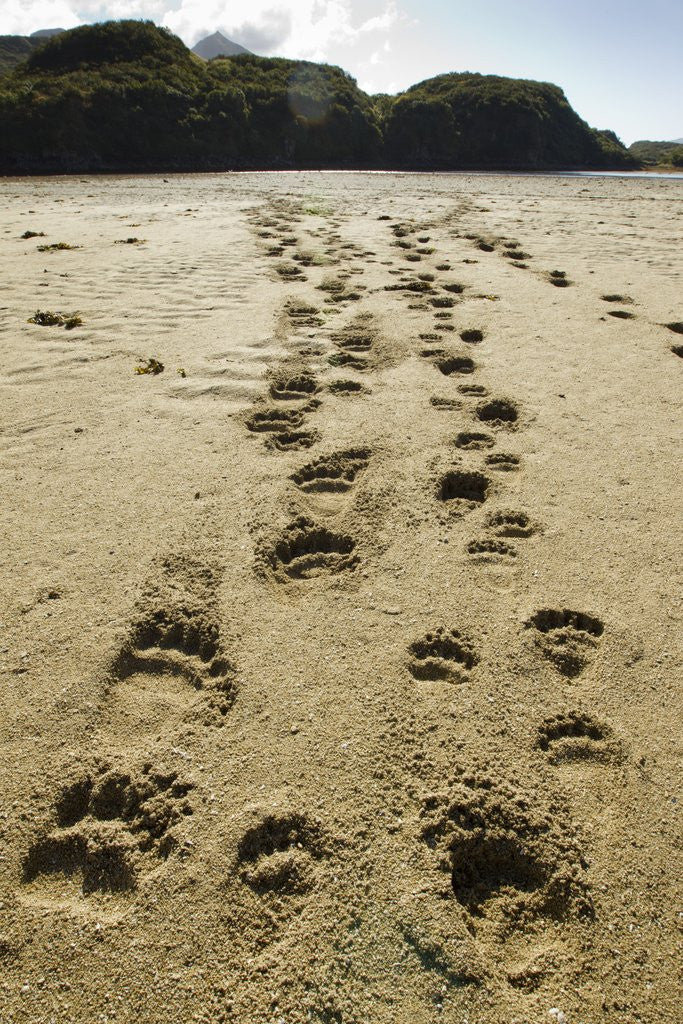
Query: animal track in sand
(444, 404)
(347, 387)
(507, 861)
(472, 337)
(349, 360)
(293, 440)
(298, 386)
(473, 390)
(498, 412)
(464, 487)
(337, 291)
(621, 314)
(677, 350)
(617, 298)
(510, 524)
(335, 472)
(410, 286)
(517, 254)
(354, 340)
(290, 272)
(442, 302)
(278, 855)
(303, 314)
(503, 461)
(455, 364)
(565, 637)
(275, 420)
(676, 327)
(573, 736)
(558, 278)
(473, 441)
(111, 825)
(172, 662)
(307, 550)
(488, 549)
(444, 654)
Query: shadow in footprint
(573, 736)
(279, 854)
(444, 654)
(463, 488)
(336, 472)
(487, 549)
(307, 550)
(565, 637)
(506, 862)
(110, 824)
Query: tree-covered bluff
(128, 96)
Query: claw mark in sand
(307, 550)
(566, 637)
(335, 472)
(279, 854)
(444, 654)
(111, 826)
(573, 736)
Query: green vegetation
(15, 49)
(653, 154)
(128, 96)
(471, 120)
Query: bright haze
(617, 60)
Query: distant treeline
(128, 96)
(652, 154)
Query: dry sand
(339, 674)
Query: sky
(618, 61)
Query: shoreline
(373, 171)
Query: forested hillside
(129, 96)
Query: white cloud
(310, 29)
(294, 28)
(21, 17)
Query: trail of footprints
(111, 825)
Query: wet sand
(340, 660)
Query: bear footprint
(111, 826)
(444, 654)
(566, 637)
(279, 854)
(573, 736)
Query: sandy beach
(341, 659)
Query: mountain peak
(217, 45)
